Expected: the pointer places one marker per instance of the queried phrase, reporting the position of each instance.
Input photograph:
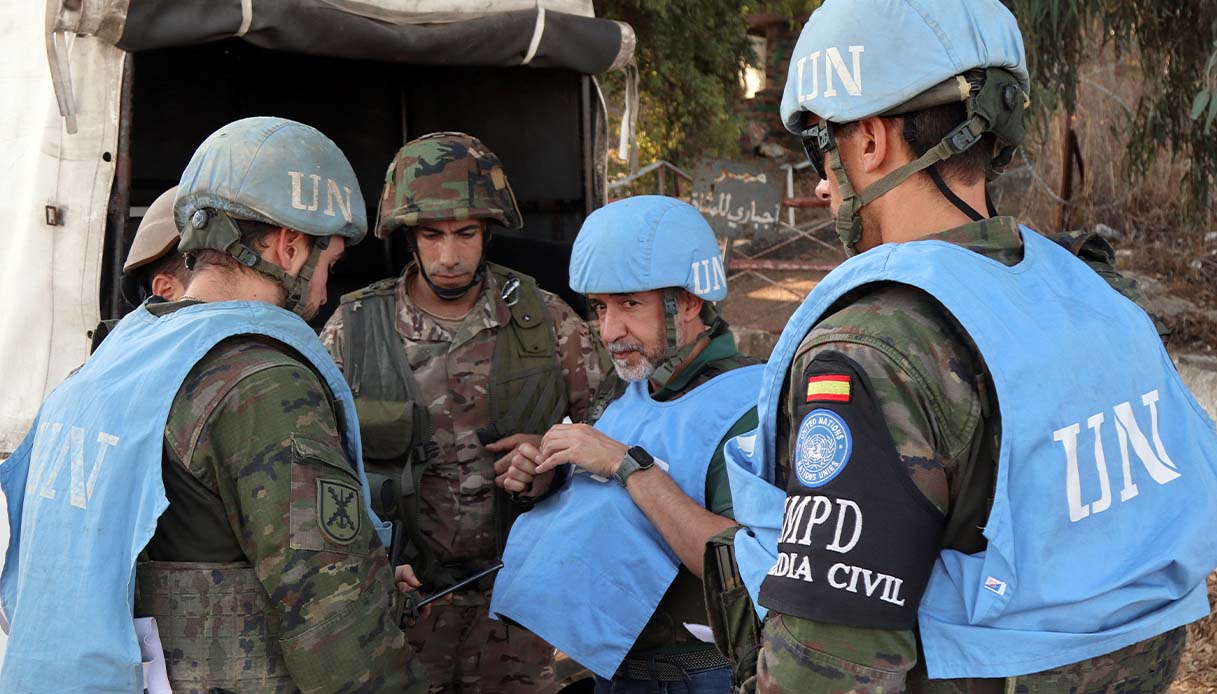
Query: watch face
(640, 456)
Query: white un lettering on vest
(1089, 470)
(858, 539)
(57, 446)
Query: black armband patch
(858, 539)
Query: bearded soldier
(619, 548)
(453, 364)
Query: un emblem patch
(338, 511)
(823, 448)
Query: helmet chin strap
(676, 355)
(449, 293)
(849, 220)
(295, 288)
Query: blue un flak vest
(1104, 522)
(586, 570)
(84, 492)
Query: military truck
(104, 119)
(105, 100)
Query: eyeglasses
(817, 142)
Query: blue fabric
(1091, 547)
(585, 569)
(716, 681)
(277, 171)
(647, 242)
(84, 492)
(860, 58)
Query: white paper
(701, 632)
(156, 678)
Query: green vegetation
(690, 53)
(1174, 44)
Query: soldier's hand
(407, 580)
(516, 471)
(583, 445)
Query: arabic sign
(739, 199)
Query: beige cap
(157, 233)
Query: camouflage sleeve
(930, 408)
(272, 447)
(331, 336)
(1096, 252)
(578, 355)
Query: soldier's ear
(689, 305)
(289, 249)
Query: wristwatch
(636, 458)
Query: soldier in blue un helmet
(976, 468)
(203, 468)
(619, 541)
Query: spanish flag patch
(832, 388)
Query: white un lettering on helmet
(808, 70)
(708, 275)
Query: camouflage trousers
(790, 662)
(466, 652)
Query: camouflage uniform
(250, 435)
(930, 386)
(458, 642)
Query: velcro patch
(828, 388)
(338, 511)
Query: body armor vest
(527, 394)
(198, 605)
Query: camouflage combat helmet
(275, 171)
(445, 176)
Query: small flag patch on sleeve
(830, 388)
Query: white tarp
(49, 275)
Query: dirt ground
(1180, 275)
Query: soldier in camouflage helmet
(887, 468)
(455, 363)
(233, 472)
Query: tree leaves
(1174, 44)
(1201, 103)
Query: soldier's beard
(648, 360)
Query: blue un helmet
(275, 171)
(861, 58)
(646, 243)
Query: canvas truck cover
(61, 71)
(61, 75)
(506, 33)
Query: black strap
(952, 197)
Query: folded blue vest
(84, 492)
(1104, 522)
(585, 569)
